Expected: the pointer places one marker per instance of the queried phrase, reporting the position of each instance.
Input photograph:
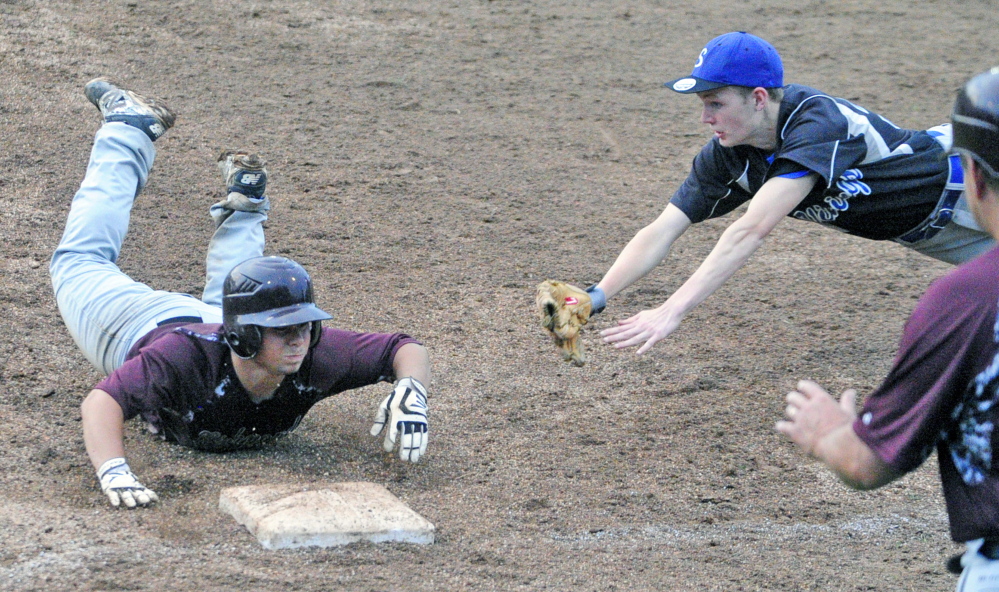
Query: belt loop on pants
(944, 212)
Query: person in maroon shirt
(942, 390)
(237, 368)
(250, 380)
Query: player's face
(284, 348)
(733, 117)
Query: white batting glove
(405, 411)
(120, 485)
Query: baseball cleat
(244, 173)
(120, 105)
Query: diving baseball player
(236, 369)
(790, 151)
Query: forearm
(640, 256)
(645, 251)
(823, 429)
(412, 360)
(103, 427)
(736, 245)
(852, 460)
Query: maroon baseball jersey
(180, 379)
(941, 392)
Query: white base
(324, 515)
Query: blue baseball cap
(733, 59)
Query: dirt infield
(430, 163)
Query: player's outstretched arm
(412, 360)
(823, 429)
(740, 240)
(645, 250)
(103, 436)
(402, 415)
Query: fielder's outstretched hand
(645, 328)
(405, 412)
(120, 485)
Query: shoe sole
(240, 160)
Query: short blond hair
(775, 94)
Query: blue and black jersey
(877, 180)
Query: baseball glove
(563, 310)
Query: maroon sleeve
(946, 341)
(131, 385)
(166, 372)
(345, 360)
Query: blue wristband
(598, 299)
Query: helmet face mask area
(267, 292)
(975, 121)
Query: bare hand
(812, 414)
(649, 326)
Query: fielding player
(236, 369)
(944, 386)
(790, 151)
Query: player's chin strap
(598, 299)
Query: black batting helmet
(267, 292)
(976, 120)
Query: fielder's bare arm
(790, 151)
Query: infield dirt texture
(431, 162)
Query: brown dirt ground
(431, 161)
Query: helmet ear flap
(245, 342)
(317, 333)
